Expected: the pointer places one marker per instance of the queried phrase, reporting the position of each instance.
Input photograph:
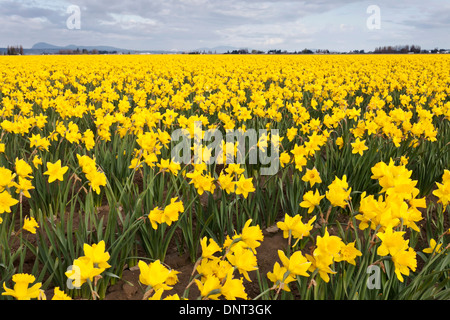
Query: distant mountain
(47, 46)
(44, 45)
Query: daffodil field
(91, 180)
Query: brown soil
(129, 287)
(266, 256)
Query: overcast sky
(340, 25)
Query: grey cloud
(165, 24)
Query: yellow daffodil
(293, 226)
(391, 242)
(244, 186)
(154, 274)
(171, 211)
(155, 217)
(6, 178)
(55, 171)
(96, 252)
(251, 235)
(208, 250)
(234, 169)
(404, 261)
(23, 169)
(6, 201)
(434, 247)
(60, 295)
(296, 264)
(281, 277)
(226, 182)
(339, 192)
(244, 260)
(96, 180)
(30, 224)
(328, 245)
(82, 270)
(21, 291)
(311, 200)
(24, 186)
(312, 176)
(322, 263)
(348, 253)
(210, 288)
(359, 147)
(37, 161)
(233, 288)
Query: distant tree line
(14, 50)
(239, 51)
(304, 51)
(437, 50)
(405, 49)
(398, 49)
(85, 51)
(276, 51)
